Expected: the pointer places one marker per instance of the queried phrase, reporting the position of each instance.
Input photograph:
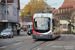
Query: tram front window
(42, 24)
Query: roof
(68, 4)
(11, 1)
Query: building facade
(12, 18)
(66, 15)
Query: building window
(57, 17)
(7, 10)
(64, 26)
(64, 18)
(58, 11)
(61, 10)
(66, 9)
(61, 17)
(69, 9)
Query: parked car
(30, 31)
(6, 33)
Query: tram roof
(43, 15)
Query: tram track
(30, 43)
(38, 45)
(26, 45)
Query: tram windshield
(42, 24)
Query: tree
(34, 7)
(73, 18)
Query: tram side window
(35, 24)
(55, 23)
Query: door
(70, 27)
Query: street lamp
(6, 9)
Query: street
(25, 42)
(45, 19)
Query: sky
(54, 3)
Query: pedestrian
(18, 31)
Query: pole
(6, 9)
(6, 12)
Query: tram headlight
(34, 35)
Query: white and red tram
(45, 26)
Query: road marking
(61, 38)
(3, 47)
(39, 48)
(49, 44)
(18, 43)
